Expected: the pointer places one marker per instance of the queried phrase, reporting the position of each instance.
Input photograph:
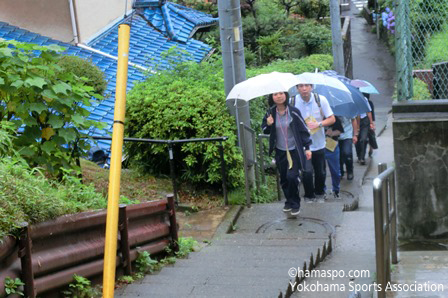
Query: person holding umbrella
(317, 114)
(290, 138)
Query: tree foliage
(85, 68)
(185, 102)
(270, 33)
(45, 104)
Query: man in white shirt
(317, 114)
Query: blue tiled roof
(146, 47)
(185, 20)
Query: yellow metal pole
(110, 249)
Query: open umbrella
(260, 85)
(263, 84)
(338, 94)
(364, 86)
(334, 74)
(360, 104)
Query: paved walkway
(264, 247)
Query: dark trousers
(316, 165)
(363, 140)
(333, 160)
(289, 178)
(346, 155)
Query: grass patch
(137, 187)
(266, 194)
(27, 195)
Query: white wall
(47, 17)
(94, 15)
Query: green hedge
(187, 102)
(84, 68)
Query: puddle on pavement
(424, 246)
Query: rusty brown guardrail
(47, 255)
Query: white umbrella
(321, 79)
(263, 84)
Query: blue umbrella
(334, 74)
(362, 105)
(348, 104)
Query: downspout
(74, 21)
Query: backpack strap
(317, 99)
(292, 101)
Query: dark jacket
(299, 130)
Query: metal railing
(262, 166)
(244, 129)
(170, 144)
(385, 213)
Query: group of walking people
(306, 136)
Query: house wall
(47, 17)
(94, 16)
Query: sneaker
(336, 195)
(287, 209)
(362, 162)
(309, 200)
(349, 176)
(321, 198)
(295, 211)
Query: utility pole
(336, 37)
(231, 35)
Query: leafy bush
(82, 288)
(144, 263)
(6, 138)
(313, 8)
(83, 68)
(269, 34)
(26, 195)
(185, 102)
(12, 286)
(186, 245)
(270, 47)
(207, 7)
(38, 97)
(315, 38)
(264, 19)
(420, 90)
(295, 66)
